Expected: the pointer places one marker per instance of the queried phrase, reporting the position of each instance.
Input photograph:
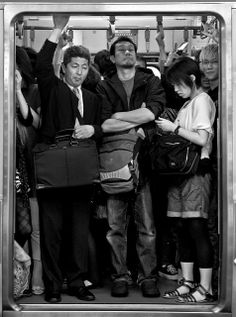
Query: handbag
(22, 263)
(67, 162)
(171, 154)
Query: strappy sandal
(190, 299)
(175, 293)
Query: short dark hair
(102, 60)
(76, 51)
(179, 72)
(25, 66)
(92, 79)
(122, 39)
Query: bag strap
(132, 168)
(137, 147)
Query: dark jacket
(214, 94)
(58, 102)
(147, 88)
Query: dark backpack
(118, 162)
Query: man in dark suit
(65, 213)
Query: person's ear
(112, 58)
(63, 67)
(193, 78)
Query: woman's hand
(18, 79)
(166, 125)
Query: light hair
(210, 52)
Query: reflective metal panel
(234, 158)
(223, 12)
(1, 146)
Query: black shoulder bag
(67, 162)
(173, 155)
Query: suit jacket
(58, 103)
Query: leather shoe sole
(82, 293)
(53, 298)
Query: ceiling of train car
(137, 26)
(103, 22)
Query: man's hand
(60, 20)
(116, 116)
(64, 39)
(83, 131)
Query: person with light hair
(209, 64)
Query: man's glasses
(205, 62)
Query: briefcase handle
(63, 135)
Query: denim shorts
(190, 197)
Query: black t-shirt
(128, 86)
(213, 93)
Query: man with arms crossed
(132, 97)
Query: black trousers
(64, 229)
(166, 240)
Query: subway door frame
(234, 156)
(1, 146)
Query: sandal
(190, 299)
(173, 294)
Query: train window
(161, 39)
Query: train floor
(103, 296)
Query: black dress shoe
(81, 293)
(53, 297)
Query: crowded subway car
(76, 75)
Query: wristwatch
(176, 131)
